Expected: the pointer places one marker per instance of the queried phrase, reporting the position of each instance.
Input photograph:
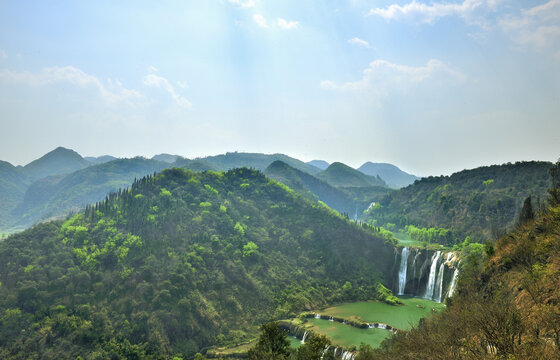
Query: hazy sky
(430, 86)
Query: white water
(331, 318)
(429, 294)
(414, 264)
(439, 283)
(347, 355)
(304, 337)
(453, 282)
(402, 270)
(317, 316)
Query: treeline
(431, 235)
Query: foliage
(480, 203)
(505, 307)
(158, 275)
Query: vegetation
(507, 304)
(179, 262)
(480, 203)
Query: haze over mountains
(63, 181)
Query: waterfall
(304, 337)
(439, 283)
(317, 316)
(347, 355)
(414, 264)
(453, 282)
(431, 279)
(331, 318)
(402, 270)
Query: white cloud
(382, 75)
(428, 13)
(182, 84)
(288, 25)
(260, 20)
(359, 42)
(112, 91)
(537, 26)
(3, 55)
(244, 4)
(153, 69)
(160, 82)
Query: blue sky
(433, 87)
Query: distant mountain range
(62, 181)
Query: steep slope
(57, 162)
(181, 261)
(12, 189)
(507, 307)
(55, 196)
(256, 161)
(341, 175)
(392, 175)
(321, 164)
(310, 186)
(480, 203)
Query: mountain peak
(56, 162)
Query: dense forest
(180, 261)
(481, 203)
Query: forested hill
(179, 262)
(507, 303)
(481, 203)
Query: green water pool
(402, 317)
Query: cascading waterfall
(347, 355)
(453, 282)
(317, 316)
(429, 294)
(439, 283)
(402, 270)
(304, 337)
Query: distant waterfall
(432, 278)
(439, 283)
(453, 282)
(402, 270)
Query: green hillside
(56, 196)
(310, 186)
(232, 160)
(507, 303)
(12, 190)
(480, 203)
(392, 175)
(181, 261)
(57, 162)
(341, 175)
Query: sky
(433, 87)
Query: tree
(272, 343)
